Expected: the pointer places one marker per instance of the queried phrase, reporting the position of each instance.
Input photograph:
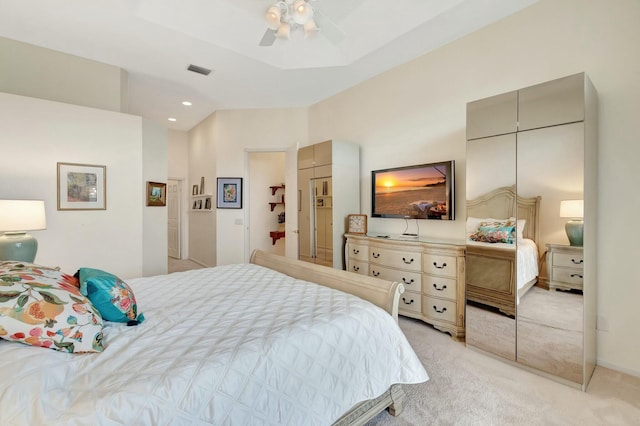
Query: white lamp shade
(310, 28)
(572, 209)
(284, 31)
(22, 215)
(302, 12)
(273, 17)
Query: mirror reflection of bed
(504, 279)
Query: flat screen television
(424, 191)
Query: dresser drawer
(358, 266)
(568, 275)
(409, 261)
(438, 309)
(440, 265)
(439, 286)
(411, 280)
(358, 252)
(410, 301)
(569, 260)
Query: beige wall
(416, 113)
(36, 134)
(219, 147)
(37, 72)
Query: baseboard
(618, 368)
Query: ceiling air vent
(199, 70)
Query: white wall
(154, 169)
(217, 148)
(416, 113)
(36, 134)
(202, 163)
(178, 169)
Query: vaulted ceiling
(156, 40)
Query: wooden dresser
(432, 272)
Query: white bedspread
(233, 345)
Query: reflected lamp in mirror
(17, 217)
(574, 210)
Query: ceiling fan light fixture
(302, 12)
(310, 28)
(273, 17)
(284, 31)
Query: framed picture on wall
(229, 193)
(156, 194)
(82, 186)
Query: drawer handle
(375, 255)
(405, 301)
(444, 265)
(407, 262)
(444, 286)
(440, 312)
(576, 275)
(404, 280)
(375, 274)
(576, 262)
(356, 268)
(356, 251)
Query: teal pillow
(110, 295)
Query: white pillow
(520, 223)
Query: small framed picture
(357, 223)
(229, 193)
(156, 194)
(194, 190)
(82, 187)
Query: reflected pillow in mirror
(495, 234)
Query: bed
(254, 343)
(498, 274)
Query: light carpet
(470, 388)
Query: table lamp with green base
(17, 217)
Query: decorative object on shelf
(574, 210)
(281, 217)
(357, 224)
(202, 185)
(229, 193)
(17, 217)
(156, 194)
(82, 187)
(207, 203)
(194, 191)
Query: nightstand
(565, 265)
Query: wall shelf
(275, 188)
(275, 236)
(273, 205)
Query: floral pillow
(41, 306)
(495, 232)
(110, 295)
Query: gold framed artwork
(156, 194)
(357, 224)
(82, 186)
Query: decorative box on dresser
(565, 267)
(432, 272)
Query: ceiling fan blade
(328, 28)
(268, 38)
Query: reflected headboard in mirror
(499, 204)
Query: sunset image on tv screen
(417, 192)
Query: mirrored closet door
(546, 288)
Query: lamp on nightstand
(573, 209)
(17, 217)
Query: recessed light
(187, 103)
(172, 119)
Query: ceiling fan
(287, 16)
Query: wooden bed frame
(491, 271)
(385, 294)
